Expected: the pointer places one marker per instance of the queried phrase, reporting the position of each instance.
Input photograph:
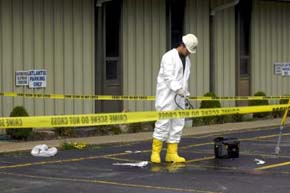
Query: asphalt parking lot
(93, 170)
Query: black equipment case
(226, 147)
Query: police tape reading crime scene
(125, 118)
(133, 98)
(88, 119)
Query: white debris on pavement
(138, 164)
(43, 151)
(129, 151)
(259, 161)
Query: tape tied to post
(127, 117)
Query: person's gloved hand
(181, 92)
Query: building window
(175, 21)
(112, 29)
(244, 17)
(113, 13)
(111, 68)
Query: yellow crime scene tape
(125, 118)
(83, 97)
(133, 98)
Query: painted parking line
(196, 145)
(134, 160)
(215, 168)
(264, 137)
(121, 159)
(242, 139)
(274, 166)
(111, 183)
(119, 154)
(232, 132)
(109, 156)
(245, 139)
(200, 159)
(59, 161)
(244, 153)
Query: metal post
(277, 148)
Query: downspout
(99, 3)
(212, 41)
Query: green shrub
(281, 113)
(135, 128)
(259, 103)
(211, 104)
(107, 130)
(115, 130)
(237, 118)
(284, 101)
(19, 133)
(101, 130)
(65, 132)
(197, 121)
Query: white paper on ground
(259, 161)
(138, 164)
(43, 151)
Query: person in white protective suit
(172, 80)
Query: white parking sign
(282, 69)
(37, 78)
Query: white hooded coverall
(170, 79)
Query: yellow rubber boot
(172, 155)
(156, 149)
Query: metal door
(108, 65)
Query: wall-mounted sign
(282, 69)
(37, 78)
(31, 78)
(21, 78)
